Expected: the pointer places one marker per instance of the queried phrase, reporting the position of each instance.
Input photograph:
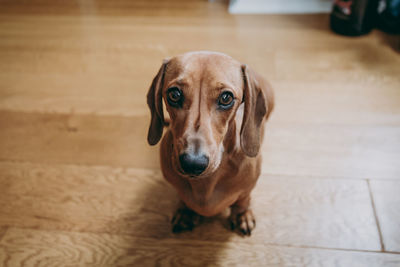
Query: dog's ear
(258, 103)
(154, 101)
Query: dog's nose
(193, 164)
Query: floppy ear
(154, 101)
(258, 103)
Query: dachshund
(210, 152)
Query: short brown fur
(231, 138)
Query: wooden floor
(79, 186)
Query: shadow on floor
(391, 40)
(148, 236)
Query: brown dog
(217, 110)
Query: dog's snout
(193, 164)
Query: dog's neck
(203, 188)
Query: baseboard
(279, 6)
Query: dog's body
(209, 153)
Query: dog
(210, 151)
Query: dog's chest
(210, 200)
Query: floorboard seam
(376, 216)
(325, 177)
(335, 249)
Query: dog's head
(203, 92)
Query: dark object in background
(389, 16)
(353, 17)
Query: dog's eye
(225, 100)
(174, 96)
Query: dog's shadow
(147, 231)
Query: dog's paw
(185, 220)
(243, 222)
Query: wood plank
(297, 101)
(315, 212)
(70, 138)
(150, 8)
(290, 149)
(332, 151)
(364, 63)
(337, 104)
(31, 247)
(93, 199)
(290, 211)
(387, 202)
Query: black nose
(193, 164)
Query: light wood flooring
(79, 186)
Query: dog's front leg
(242, 217)
(185, 219)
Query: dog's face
(202, 92)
